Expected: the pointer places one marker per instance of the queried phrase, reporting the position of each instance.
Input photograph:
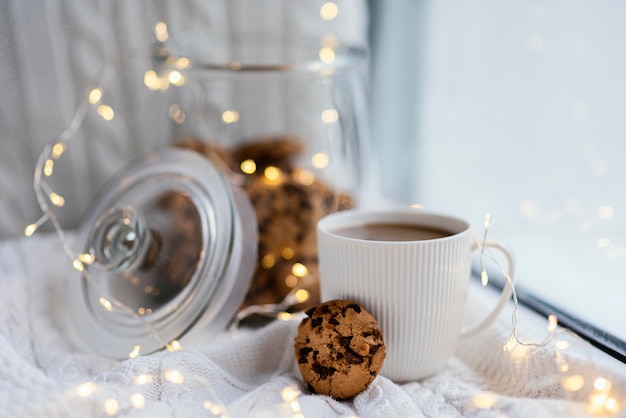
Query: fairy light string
(601, 400)
(48, 201)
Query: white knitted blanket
(246, 372)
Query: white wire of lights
(601, 400)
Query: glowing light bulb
(105, 303)
(135, 352)
(95, 95)
(611, 405)
(272, 173)
(86, 389)
(57, 200)
(327, 55)
(519, 352)
(30, 230)
(484, 400)
(306, 177)
(106, 112)
(182, 63)
(78, 265)
(295, 406)
(552, 323)
(484, 277)
(606, 212)
(302, 295)
(111, 406)
(597, 401)
(284, 316)
(268, 261)
(299, 270)
(86, 258)
(330, 116)
(487, 222)
(143, 379)
(248, 166)
(510, 344)
(329, 11)
(287, 253)
(160, 31)
(289, 394)
(48, 168)
(57, 150)
(174, 345)
(562, 344)
(174, 376)
(138, 400)
(176, 113)
(320, 160)
(230, 116)
(176, 78)
(602, 384)
(211, 407)
(291, 280)
(573, 383)
(151, 80)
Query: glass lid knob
(120, 239)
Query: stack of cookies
(288, 200)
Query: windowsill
(539, 350)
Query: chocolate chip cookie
(339, 349)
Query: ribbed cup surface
(416, 290)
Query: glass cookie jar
(283, 119)
(256, 139)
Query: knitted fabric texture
(243, 373)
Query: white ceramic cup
(417, 289)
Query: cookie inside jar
(288, 201)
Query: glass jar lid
(173, 246)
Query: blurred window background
(517, 109)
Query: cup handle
(507, 290)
